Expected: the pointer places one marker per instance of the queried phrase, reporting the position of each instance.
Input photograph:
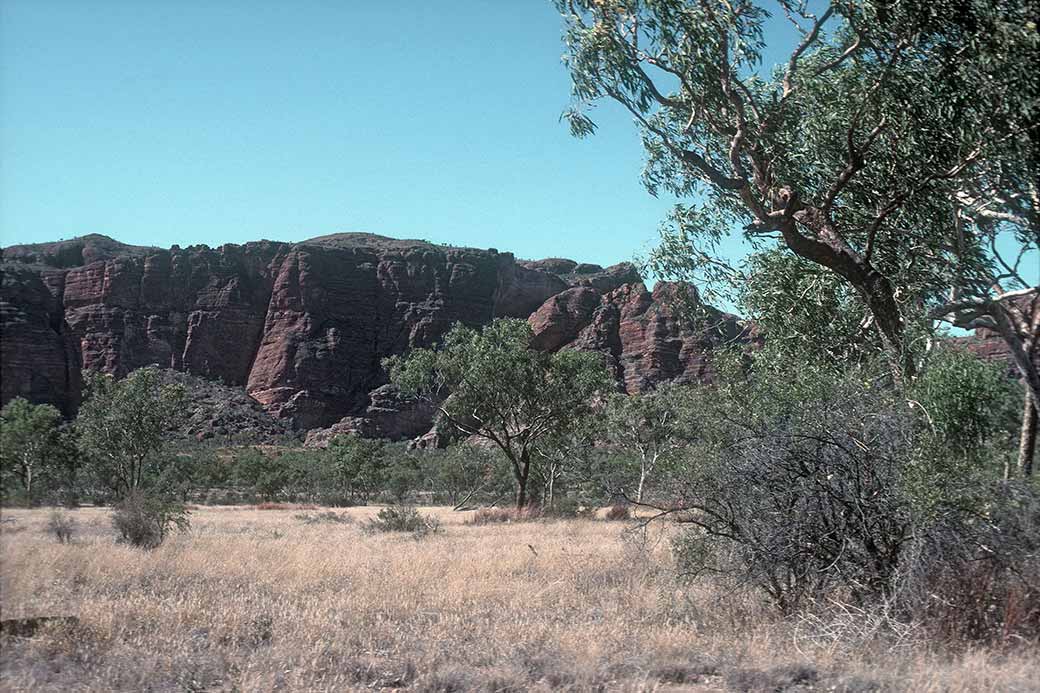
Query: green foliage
(144, 520)
(491, 384)
(653, 428)
(356, 467)
(882, 123)
(34, 450)
(466, 474)
(403, 519)
(123, 426)
(266, 475)
(805, 313)
(969, 414)
(967, 401)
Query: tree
(856, 154)
(123, 425)
(491, 384)
(465, 472)
(568, 452)
(358, 466)
(30, 442)
(654, 426)
(267, 475)
(804, 312)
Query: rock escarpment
(302, 327)
(638, 330)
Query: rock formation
(302, 327)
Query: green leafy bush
(403, 519)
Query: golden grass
(258, 600)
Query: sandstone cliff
(302, 327)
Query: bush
(975, 576)
(403, 519)
(266, 475)
(144, 520)
(618, 511)
(796, 489)
(61, 526)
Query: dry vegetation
(263, 600)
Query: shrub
(61, 526)
(618, 511)
(267, 475)
(355, 467)
(144, 520)
(403, 519)
(975, 576)
(796, 490)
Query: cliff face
(303, 327)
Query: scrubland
(263, 600)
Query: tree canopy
(31, 448)
(490, 383)
(857, 154)
(123, 424)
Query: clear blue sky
(187, 121)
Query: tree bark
(523, 469)
(1027, 440)
(832, 252)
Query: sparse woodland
(851, 505)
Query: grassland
(260, 600)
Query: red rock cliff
(303, 327)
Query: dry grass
(261, 601)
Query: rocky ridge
(302, 327)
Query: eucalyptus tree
(30, 445)
(655, 426)
(123, 426)
(491, 384)
(1001, 206)
(894, 146)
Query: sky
(161, 122)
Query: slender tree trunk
(28, 480)
(1027, 440)
(552, 483)
(642, 482)
(522, 470)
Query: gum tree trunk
(1027, 440)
